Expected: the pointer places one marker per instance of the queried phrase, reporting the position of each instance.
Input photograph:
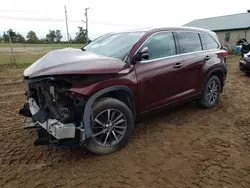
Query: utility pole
(13, 60)
(86, 21)
(66, 19)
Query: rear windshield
(115, 45)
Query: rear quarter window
(208, 42)
(189, 42)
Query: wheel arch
(219, 72)
(111, 91)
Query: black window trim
(198, 32)
(202, 47)
(177, 46)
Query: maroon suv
(93, 95)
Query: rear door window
(189, 42)
(208, 42)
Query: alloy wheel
(212, 92)
(109, 127)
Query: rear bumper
(54, 127)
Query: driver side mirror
(142, 54)
(89, 41)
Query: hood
(73, 61)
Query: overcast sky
(109, 15)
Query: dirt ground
(185, 147)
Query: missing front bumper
(52, 126)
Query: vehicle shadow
(166, 113)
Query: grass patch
(21, 58)
(9, 72)
(4, 67)
(28, 53)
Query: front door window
(160, 45)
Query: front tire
(211, 93)
(112, 126)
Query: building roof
(228, 22)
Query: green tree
(51, 36)
(12, 34)
(19, 38)
(43, 41)
(1, 39)
(5, 37)
(31, 37)
(58, 36)
(80, 36)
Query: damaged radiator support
(54, 127)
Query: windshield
(115, 45)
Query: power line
(63, 20)
(25, 11)
(35, 19)
(116, 24)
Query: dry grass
(28, 53)
(21, 58)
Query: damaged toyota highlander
(92, 96)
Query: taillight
(224, 54)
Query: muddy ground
(182, 147)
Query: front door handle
(207, 58)
(178, 65)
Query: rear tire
(112, 126)
(211, 93)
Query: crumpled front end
(56, 128)
(55, 109)
(56, 99)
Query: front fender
(90, 88)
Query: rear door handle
(207, 57)
(178, 65)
